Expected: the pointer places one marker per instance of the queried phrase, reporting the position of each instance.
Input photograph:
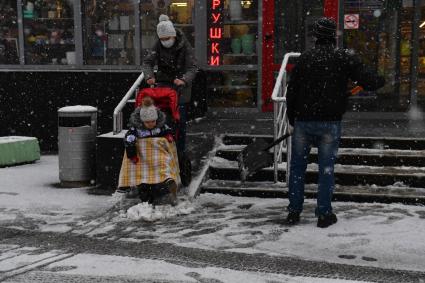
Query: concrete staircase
(368, 169)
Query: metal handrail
(280, 117)
(117, 127)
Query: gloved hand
(179, 82)
(169, 137)
(134, 159)
(290, 129)
(150, 81)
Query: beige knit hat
(148, 111)
(165, 28)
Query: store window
(180, 12)
(406, 14)
(49, 32)
(232, 88)
(421, 78)
(232, 41)
(240, 32)
(382, 40)
(109, 32)
(294, 25)
(9, 47)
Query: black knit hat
(325, 28)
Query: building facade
(68, 51)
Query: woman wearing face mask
(173, 56)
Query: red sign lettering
(215, 33)
(215, 46)
(215, 4)
(215, 27)
(215, 61)
(216, 17)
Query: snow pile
(12, 139)
(145, 211)
(77, 108)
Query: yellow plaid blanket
(158, 162)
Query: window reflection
(9, 49)
(49, 32)
(109, 31)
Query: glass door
(384, 41)
(287, 28)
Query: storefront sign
(215, 31)
(351, 21)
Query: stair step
(351, 156)
(223, 169)
(346, 142)
(365, 193)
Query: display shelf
(49, 19)
(183, 25)
(240, 55)
(231, 86)
(241, 22)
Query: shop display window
(109, 32)
(294, 25)
(421, 63)
(232, 88)
(240, 33)
(377, 41)
(9, 47)
(49, 32)
(180, 12)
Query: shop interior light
(422, 25)
(179, 4)
(246, 3)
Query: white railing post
(280, 117)
(118, 118)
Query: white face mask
(168, 43)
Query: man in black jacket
(316, 99)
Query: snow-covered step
(351, 156)
(222, 169)
(397, 192)
(404, 143)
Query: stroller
(155, 179)
(166, 98)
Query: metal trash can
(77, 145)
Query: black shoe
(293, 218)
(133, 192)
(326, 220)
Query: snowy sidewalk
(220, 231)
